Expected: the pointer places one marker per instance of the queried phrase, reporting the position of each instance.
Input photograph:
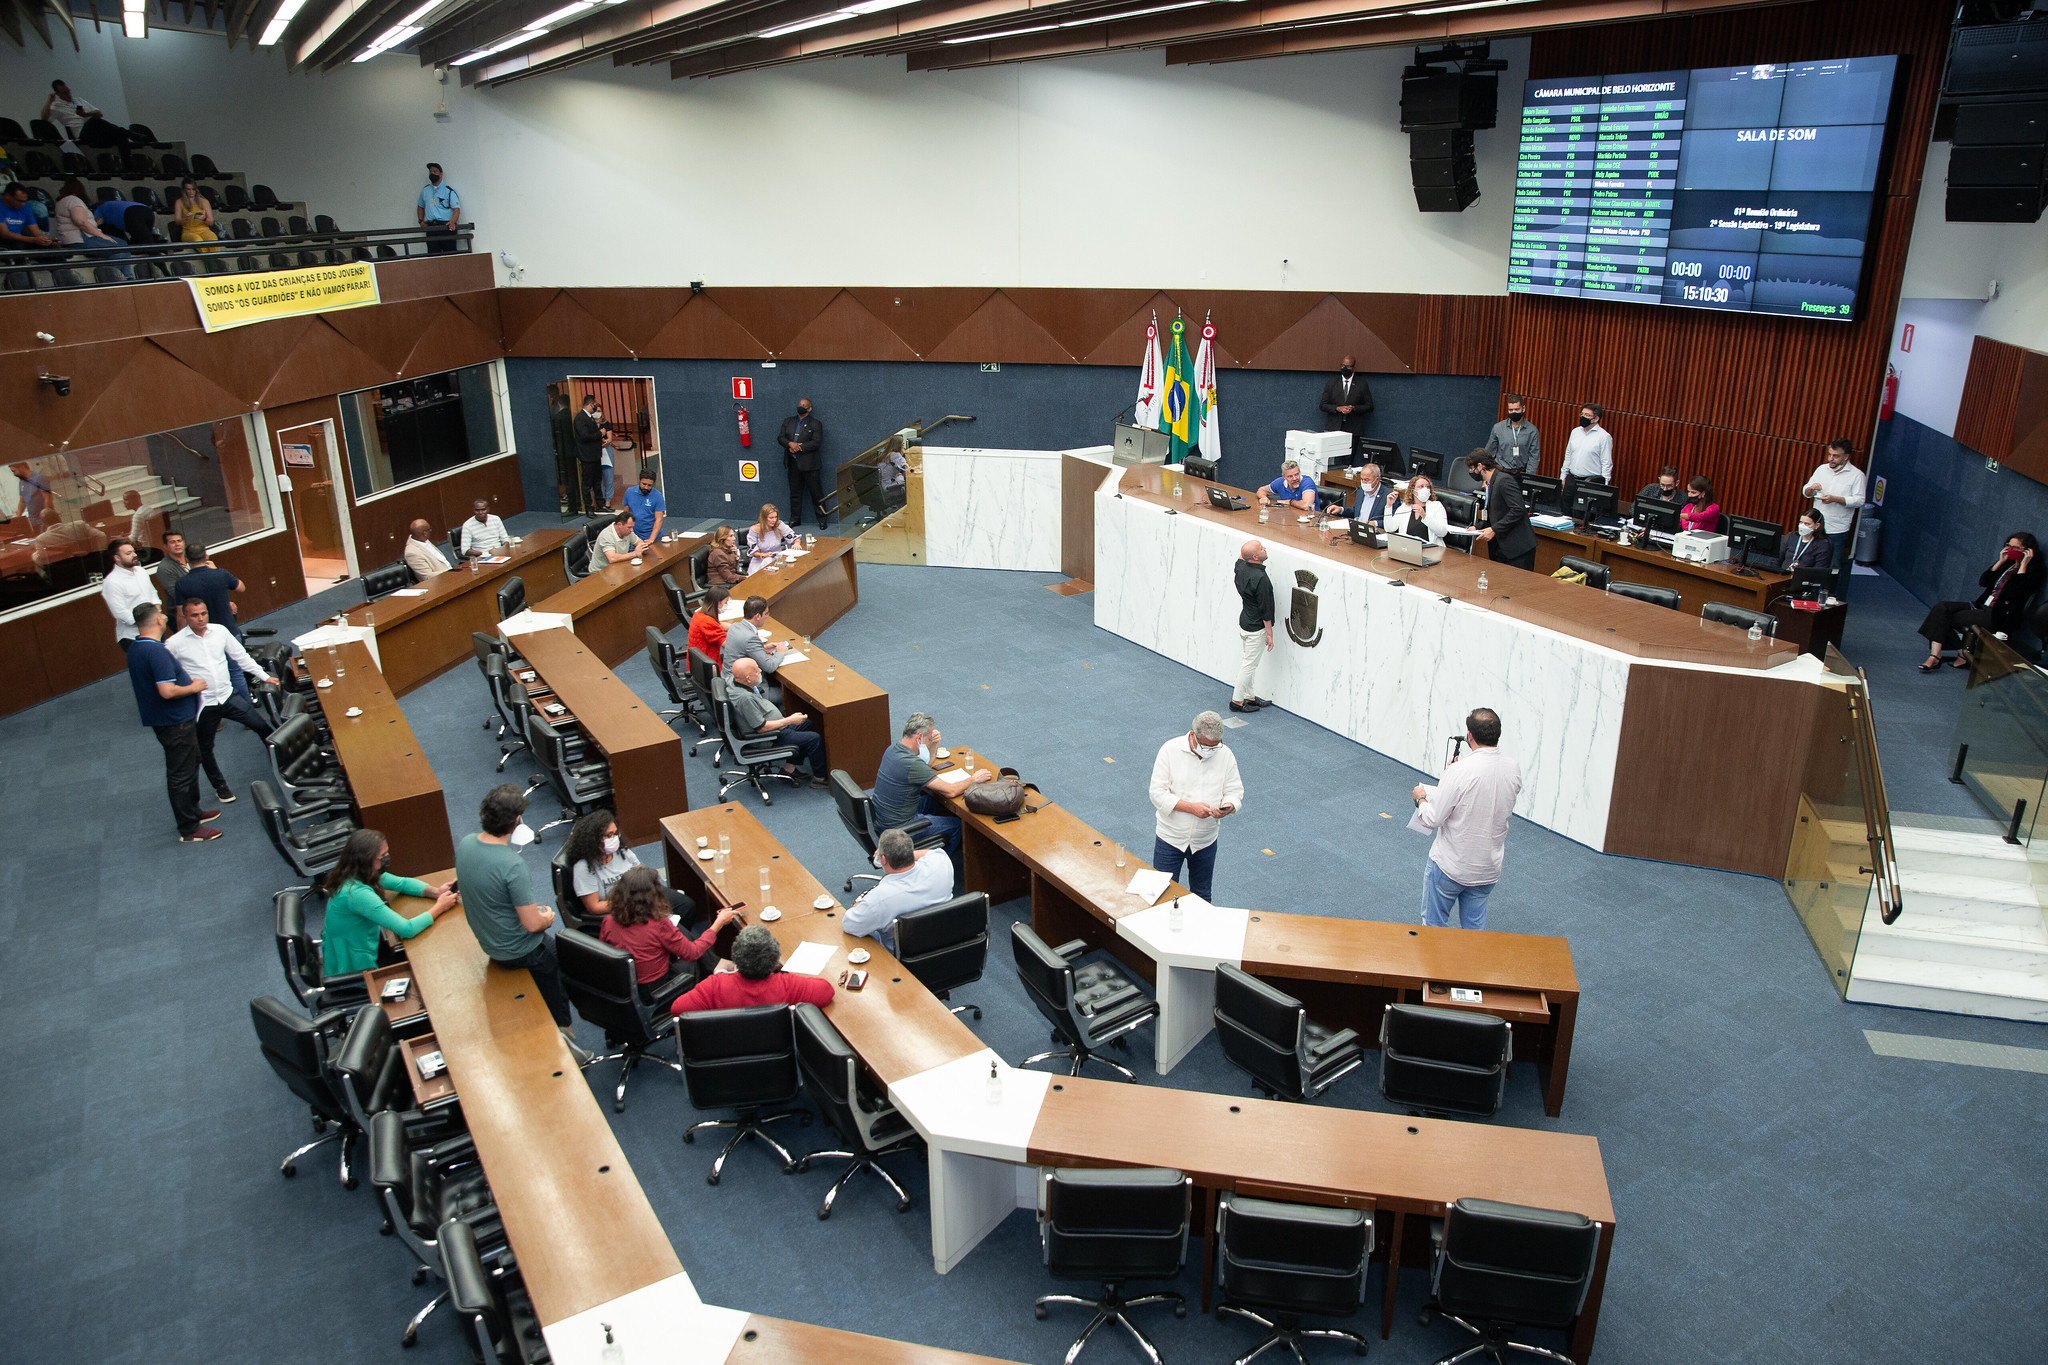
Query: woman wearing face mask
(1701, 512)
(1420, 514)
(2009, 586)
(356, 910)
(597, 858)
(1806, 545)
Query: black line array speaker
(1444, 168)
(1998, 161)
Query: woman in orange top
(707, 632)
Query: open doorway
(308, 457)
(631, 439)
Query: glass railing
(878, 496)
(1999, 752)
(1841, 865)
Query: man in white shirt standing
(1194, 785)
(1837, 491)
(913, 878)
(483, 534)
(1469, 811)
(205, 651)
(127, 587)
(1589, 452)
(422, 555)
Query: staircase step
(1988, 992)
(2000, 900)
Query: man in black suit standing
(590, 436)
(801, 436)
(1346, 401)
(1512, 539)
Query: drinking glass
(764, 886)
(724, 843)
(1119, 855)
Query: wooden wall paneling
(386, 336)
(702, 329)
(563, 327)
(1000, 330)
(1080, 320)
(518, 310)
(270, 571)
(634, 316)
(925, 317)
(1394, 319)
(427, 277)
(1331, 330)
(76, 642)
(845, 330)
(480, 306)
(119, 389)
(771, 316)
(1078, 481)
(1125, 342)
(23, 682)
(1991, 390)
(451, 340)
(2029, 454)
(1459, 333)
(77, 317)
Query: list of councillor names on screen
(1744, 189)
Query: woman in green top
(356, 910)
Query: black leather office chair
(600, 981)
(303, 765)
(1460, 509)
(370, 1070)
(703, 668)
(486, 1289)
(698, 565)
(1268, 1035)
(383, 581)
(856, 806)
(866, 1122)
(1501, 1266)
(498, 679)
(1742, 618)
(298, 1049)
(1597, 575)
(511, 597)
(424, 1185)
(311, 848)
(682, 603)
(760, 756)
(1643, 592)
(945, 945)
(1113, 1227)
(1278, 1263)
(1444, 1061)
(576, 554)
(743, 1059)
(675, 680)
(1088, 1007)
(580, 784)
(299, 954)
(567, 903)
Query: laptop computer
(1227, 502)
(1362, 533)
(1413, 550)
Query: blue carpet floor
(1783, 1193)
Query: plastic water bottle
(1482, 580)
(995, 1083)
(1756, 631)
(1174, 917)
(613, 1353)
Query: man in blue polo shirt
(1290, 488)
(439, 210)
(647, 507)
(168, 700)
(210, 584)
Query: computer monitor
(1385, 454)
(1745, 534)
(1590, 502)
(1540, 489)
(1657, 514)
(1426, 462)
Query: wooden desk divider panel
(438, 1090)
(646, 758)
(1696, 584)
(402, 1013)
(577, 1219)
(420, 638)
(811, 593)
(395, 790)
(613, 607)
(848, 710)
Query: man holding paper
(1469, 811)
(745, 639)
(757, 716)
(1194, 785)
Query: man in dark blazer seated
(801, 436)
(1374, 496)
(1513, 539)
(1346, 401)
(1806, 545)
(590, 436)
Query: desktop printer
(1700, 547)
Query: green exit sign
(991, 367)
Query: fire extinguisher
(746, 432)
(1891, 394)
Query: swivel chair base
(862, 1161)
(1288, 1332)
(1110, 1308)
(631, 1057)
(342, 1133)
(1493, 1341)
(1077, 1055)
(749, 1126)
(412, 1329)
(728, 780)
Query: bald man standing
(422, 555)
(1254, 623)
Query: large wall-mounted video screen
(1748, 189)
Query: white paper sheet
(797, 657)
(1148, 884)
(410, 592)
(732, 610)
(1415, 820)
(809, 959)
(958, 776)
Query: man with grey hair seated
(1194, 785)
(753, 976)
(907, 785)
(913, 878)
(756, 715)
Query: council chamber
(1024, 682)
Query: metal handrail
(1877, 811)
(76, 259)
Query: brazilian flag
(1179, 413)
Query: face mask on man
(924, 751)
(522, 835)
(1586, 422)
(1514, 414)
(1344, 370)
(611, 846)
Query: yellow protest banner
(226, 301)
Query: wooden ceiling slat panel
(1081, 320)
(921, 317)
(566, 327)
(1000, 330)
(705, 330)
(634, 316)
(774, 316)
(844, 330)
(323, 362)
(1991, 389)
(1324, 336)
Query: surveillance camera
(60, 382)
(45, 337)
(507, 259)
